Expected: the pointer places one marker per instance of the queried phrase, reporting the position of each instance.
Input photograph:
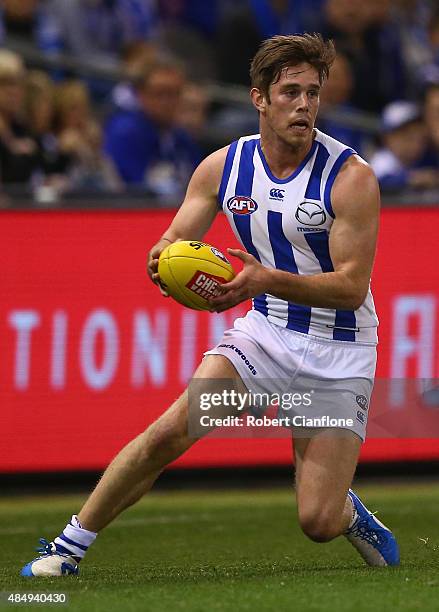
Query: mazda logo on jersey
(310, 213)
(242, 205)
(277, 194)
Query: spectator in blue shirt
(244, 24)
(404, 161)
(146, 145)
(98, 29)
(429, 72)
(199, 15)
(431, 116)
(30, 23)
(364, 29)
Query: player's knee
(318, 524)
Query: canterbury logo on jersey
(242, 205)
(310, 213)
(277, 194)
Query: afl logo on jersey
(242, 205)
(310, 213)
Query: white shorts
(272, 359)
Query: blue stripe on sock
(63, 549)
(298, 316)
(73, 543)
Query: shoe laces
(46, 548)
(364, 531)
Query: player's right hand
(153, 264)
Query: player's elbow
(356, 298)
(352, 290)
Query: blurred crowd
(68, 129)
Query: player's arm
(352, 242)
(199, 208)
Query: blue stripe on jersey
(260, 304)
(315, 180)
(244, 186)
(332, 176)
(297, 171)
(226, 172)
(345, 318)
(298, 316)
(319, 244)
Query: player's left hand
(251, 281)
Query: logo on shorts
(219, 255)
(360, 416)
(242, 205)
(238, 351)
(277, 194)
(362, 401)
(310, 213)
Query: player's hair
(278, 52)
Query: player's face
(294, 102)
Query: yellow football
(190, 271)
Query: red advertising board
(90, 353)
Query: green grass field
(202, 551)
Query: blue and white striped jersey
(285, 224)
